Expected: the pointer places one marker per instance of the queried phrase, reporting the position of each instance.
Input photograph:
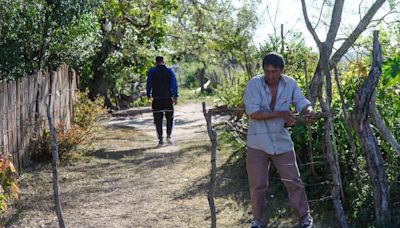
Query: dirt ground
(127, 182)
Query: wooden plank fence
(23, 110)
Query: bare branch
(276, 11)
(309, 26)
(335, 21)
(320, 14)
(378, 21)
(359, 9)
(381, 125)
(362, 25)
(272, 21)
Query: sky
(290, 14)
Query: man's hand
(149, 99)
(174, 100)
(289, 118)
(309, 115)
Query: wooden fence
(23, 110)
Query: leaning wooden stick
(302, 118)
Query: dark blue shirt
(161, 83)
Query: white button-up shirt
(270, 135)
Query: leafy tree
(130, 33)
(36, 34)
(213, 33)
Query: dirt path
(128, 182)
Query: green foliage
(36, 34)
(296, 55)
(142, 101)
(232, 96)
(212, 34)
(391, 71)
(87, 114)
(190, 73)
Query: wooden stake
(54, 152)
(213, 138)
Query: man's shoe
(160, 144)
(257, 224)
(308, 222)
(169, 141)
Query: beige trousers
(257, 163)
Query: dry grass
(128, 182)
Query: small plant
(9, 187)
(87, 113)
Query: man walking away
(162, 89)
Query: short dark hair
(273, 59)
(159, 59)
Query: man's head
(159, 60)
(273, 65)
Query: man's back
(161, 82)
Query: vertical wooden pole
(213, 137)
(54, 152)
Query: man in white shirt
(268, 98)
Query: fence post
(54, 151)
(213, 138)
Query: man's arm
(252, 101)
(148, 83)
(174, 87)
(174, 84)
(285, 115)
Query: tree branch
(309, 26)
(320, 14)
(347, 120)
(362, 25)
(380, 124)
(335, 22)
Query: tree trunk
(368, 141)
(202, 78)
(335, 174)
(332, 152)
(99, 84)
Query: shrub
(87, 114)
(9, 187)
